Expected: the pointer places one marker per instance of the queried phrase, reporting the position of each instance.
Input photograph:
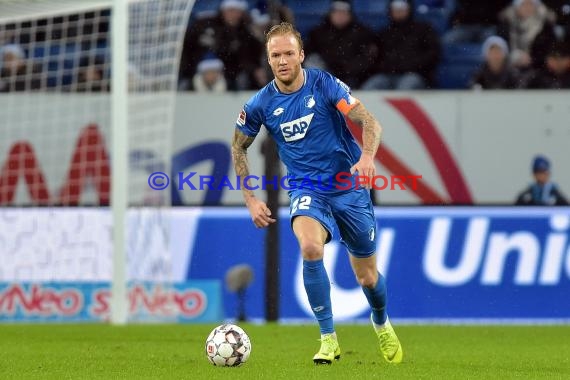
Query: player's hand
(260, 213)
(366, 170)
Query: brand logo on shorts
(371, 234)
(296, 129)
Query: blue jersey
(311, 133)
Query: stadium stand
(458, 64)
(459, 61)
(371, 12)
(59, 58)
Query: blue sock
(377, 299)
(318, 290)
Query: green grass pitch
(282, 352)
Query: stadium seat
(204, 8)
(372, 6)
(307, 14)
(438, 19)
(375, 21)
(314, 7)
(372, 13)
(436, 12)
(455, 76)
(54, 50)
(459, 63)
(463, 52)
(38, 52)
(305, 22)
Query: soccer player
(304, 110)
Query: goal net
(86, 110)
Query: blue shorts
(352, 212)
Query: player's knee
(367, 280)
(311, 250)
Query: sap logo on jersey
(296, 129)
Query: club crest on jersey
(296, 129)
(309, 101)
(241, 118)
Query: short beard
(293, 78)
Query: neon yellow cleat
(389, 343)
(330, 350)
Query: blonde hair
(282, 29)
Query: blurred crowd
(522, 44)
(519, 44)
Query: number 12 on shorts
(301, 203)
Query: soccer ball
(228, 346)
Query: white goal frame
(120, 161)
(122, 94)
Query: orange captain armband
(345, 107)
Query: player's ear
(302, 55)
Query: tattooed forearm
(240, 144)
(371, 128)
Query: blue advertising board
(441, 263)
(196, 301)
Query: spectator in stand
(408, 52)
(8, 34)
(556, 73)
(264, 15)
(523, 25)
(91, 76)
(542, 192)
(562, 10)
(267, 13)
(16, 72)
(210, 76)
(496, 72)
(473, 22)
(342, 45)
(228, 36)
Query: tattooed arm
(371, 129)
(260, 214)
(371, 136)
(240, 144)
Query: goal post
(87, 98)
(120, 162)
